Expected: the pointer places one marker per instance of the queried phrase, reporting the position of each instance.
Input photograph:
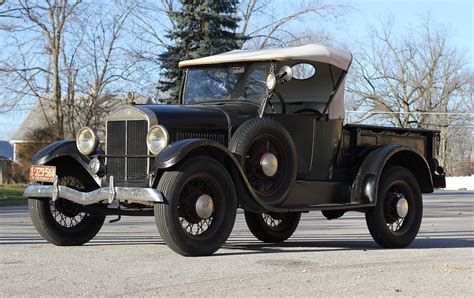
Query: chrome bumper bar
(106, 194)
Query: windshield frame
(259, 103)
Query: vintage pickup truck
(259, 130)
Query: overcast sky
(457, 15)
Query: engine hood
(228, 115)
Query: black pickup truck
(258, 130)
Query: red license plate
(41, 173)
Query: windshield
(241, 82)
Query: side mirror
(285, 73)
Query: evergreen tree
(203, 28)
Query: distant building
(36, 119)
(22, 136)
(6, 150)
(6, 163)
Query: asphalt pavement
(335, 258)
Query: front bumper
(106, 194)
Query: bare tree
(68, 56)
(95, 63)
(50, 20)
(266, 23)
(413, 80)
(149, 23)
(271, 24)
(45, 23)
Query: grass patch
(12, 194)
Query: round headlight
(157, 139)
(87, 141)
(271, 81)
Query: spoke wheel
(265, 184)
(63, 222)
(272, 227)
(267, 155)
(65, 217)
(396, 198)
(271, 222)
(396, 218)
(201, 208)
(67, 214)
(193, 189)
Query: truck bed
(357, 138)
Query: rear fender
(180, 150)
(365, 184)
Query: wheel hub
(204, 206)
(402, 207)
(67, 208)
(269, 164)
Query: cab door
(301, 129)
(327, 138)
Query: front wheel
(396, 218)
(272, 227)
(63, 222)
(201, 208)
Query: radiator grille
(126, 140)
(219, 136)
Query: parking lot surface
(336, 257)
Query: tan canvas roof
(310, 52)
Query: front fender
(365, 184)
(60, 149)
(177, 151)
(180, 150)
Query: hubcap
(265, 165)
(269, 164)
(204, 206)
(402, 207)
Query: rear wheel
(201, 208)
(272, 227)
(396, 218)
(63, 222)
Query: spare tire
(267, 156)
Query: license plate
(41, 173)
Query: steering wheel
(309, 110)
(280, 98)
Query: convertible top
(311, 52)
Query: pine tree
(203, 28)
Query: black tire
(272, 227)
(51, 218)
(387, 227)
(251, 142)
(178, 222)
